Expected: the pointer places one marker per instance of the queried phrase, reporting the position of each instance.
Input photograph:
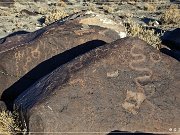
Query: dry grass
(4, 13)
(61, 3)
(55, 15)
(128, 14)
(150, 7)
(8, 125)
(43, 10)
(108, 8)
(92, 6)
(135, 30)
(171, 15)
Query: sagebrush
(8, 125)
(136, 30)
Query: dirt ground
(18, 15)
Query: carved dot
(28, 59)
(155, 57)
(35, 54)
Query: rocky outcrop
(125, 85)
(21, 53)
(6, 3)
(103, 21)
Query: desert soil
(18, 15)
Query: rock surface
(102, 21)
(125, 85)
(21, 53)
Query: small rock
(41, 20)
(27, 12)
(154, 23)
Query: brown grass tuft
(55, 15)
(171, 15)
(150, 7)
(136, 30)
(108, 8)
(8, 125)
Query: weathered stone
(21, 53)
(126, 85)
(102, 21)
(6, 3)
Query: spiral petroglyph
(136, 64)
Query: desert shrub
(128, 14)
(55, 15)
(61, 3)
(150, 7)
(171, 15)
(108, 8)
(43, 10)
(136, 30)
(8, 124)
(91, 6)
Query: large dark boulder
(126, 85)
(172, 39)
(20, 53)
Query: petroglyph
(77, 81)
(113, 73)
(30, 54)
(154, 57)
(135, 64)
(133, 101)
(35, 53)
(18, 56)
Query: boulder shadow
(117, 132)
(3, 39)
(175, 1)
(173, 53)
(27, 36)
(171, 39)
